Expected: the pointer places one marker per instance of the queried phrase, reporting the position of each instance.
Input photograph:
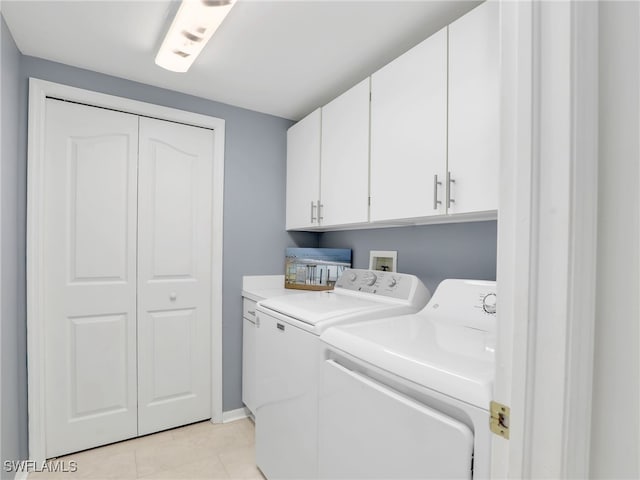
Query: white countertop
(259, 287)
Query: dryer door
(367, 430)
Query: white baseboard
(237, 414)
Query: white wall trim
(237, 414)
(583, 239)
(39, 90)
(547, 237)
(638, 455)
(514, 232)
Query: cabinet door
(344, 171)
(474, 108)
(409, 133)
(249, 364)
(303, 172)
(249, 360)
(90, 183)
(174, 275)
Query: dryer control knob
(489, 303)
(353, 277)
(371, 279)
(393, 281)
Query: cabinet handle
(320, 207)
(313, 211)
(449, 182)
(436, 202)
(251, 312)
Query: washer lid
(454, 360)
(316, 307)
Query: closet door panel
(98, 208)
(89, 285)
(172, 195)
(174, 275)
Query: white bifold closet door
(127, 226)
(90, 217)
(174, 275)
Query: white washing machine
(288, 358)
(408, 397)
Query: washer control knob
(393, 281)
(371, 279)
(353, 277)
(489, 303)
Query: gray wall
(615, 442)
(254, 236)
(13, 418)
(431, 252)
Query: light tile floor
(199, 451)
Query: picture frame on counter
(315, 268)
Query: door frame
(39, 90)
(547, 234)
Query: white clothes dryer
(408, 397)
(288, 358)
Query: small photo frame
(315, 268)
(385, 261)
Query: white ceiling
(284, 58)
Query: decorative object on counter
(385, 261)
(315, 268)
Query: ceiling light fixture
(191, 29)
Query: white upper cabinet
(409, 133)
(344, 166)
(303, 172)
(416, 143)
(474, 109)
